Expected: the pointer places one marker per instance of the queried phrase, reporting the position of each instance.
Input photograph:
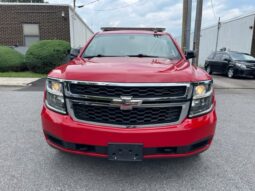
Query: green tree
(45, 55)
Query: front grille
(250, 66)
(135, 92)
(128, 104)
(136, 116)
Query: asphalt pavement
(28, 163)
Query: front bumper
(245, 72)
(190, 137)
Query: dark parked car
(231, 64)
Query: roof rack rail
(223, 49)
(154, 29)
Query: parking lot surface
(28, 163)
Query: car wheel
(208, 69)
(230, 72)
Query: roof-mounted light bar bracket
(133, 28)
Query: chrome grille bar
(147, 102)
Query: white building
(80, 32)
(236, 34)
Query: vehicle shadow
(111, 171)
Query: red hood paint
(129, 69)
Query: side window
(211, 56)
(31, 33)
(225, 56)
(218, 57)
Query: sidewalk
(4, 81)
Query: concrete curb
(16, 82)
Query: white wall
(234, 34)
(79, 30)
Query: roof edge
(49, 4)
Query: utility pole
(186, 24)
(218, 32)
(198, 21)
(74, 4)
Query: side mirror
(190, 54)
(74, 53)
(226, 60)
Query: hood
(129, 69)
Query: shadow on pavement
(121, 170)
(37, 85)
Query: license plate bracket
(125, 152)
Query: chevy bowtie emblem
(126, 102)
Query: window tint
(225, 56)
(211, 55)
(241, 56)
(29, 40)
(218, 56)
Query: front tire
(208, 69)
(231, 72)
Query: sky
(155, 13)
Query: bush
(11, 60)
(45, 55)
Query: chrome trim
(183, 115)
(108, 101)
(112, 98)
(202, 113)
(203, 82)
(126, 102)
(54, 109)
(187, 95)
(94, 103)
(126, 84)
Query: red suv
(130, 94)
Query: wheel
(208, 69)
(230, 72)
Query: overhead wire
(92, 2)
(213, 10)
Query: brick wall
(49, 17)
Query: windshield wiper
(143, 55)
(98, 55)
(147, 56)
(133, 55)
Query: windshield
(133, 45)
(241, 56)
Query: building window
(31, 33)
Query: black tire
(231, 72)
(208, 69)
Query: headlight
(202, 99)
(241, 65)
(55, 96)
